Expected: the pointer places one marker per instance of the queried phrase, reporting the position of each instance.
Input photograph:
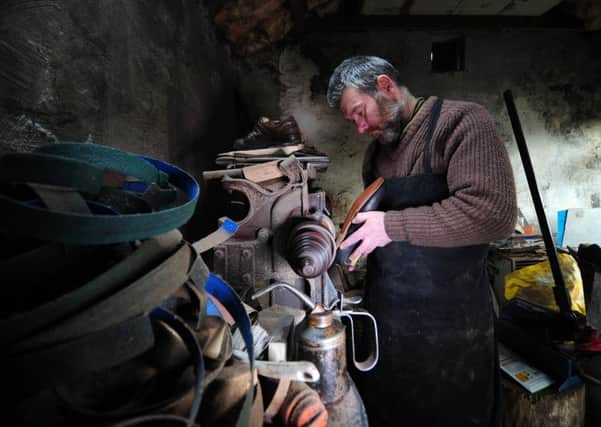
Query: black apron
(438, 360)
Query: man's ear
(385, 85)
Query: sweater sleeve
(481, 206)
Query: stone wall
(144, 76)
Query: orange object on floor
(303, 408)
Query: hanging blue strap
(230, 300)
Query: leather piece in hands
(368, 200)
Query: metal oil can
(322, 340)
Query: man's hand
(372, 235)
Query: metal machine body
(286, 231)
(284, 245)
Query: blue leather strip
(230, 300)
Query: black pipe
(562, 295)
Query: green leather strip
(136, 299)
(67, 174)
(92, 352)
(87, 229)
(52, 170)
(21, 217)
(108, 158)
(117, 277)
(32, 268)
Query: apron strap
(434, 114)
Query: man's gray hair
(361, 73)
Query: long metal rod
(562, 295)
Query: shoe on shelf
(269, 133)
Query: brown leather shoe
(368, 200)
(269, 133)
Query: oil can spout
(304, 298)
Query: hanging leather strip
(27, 219)
(227, 229)
(228, 297)
(136, 299)
(117, 277)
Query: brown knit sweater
(482, 203)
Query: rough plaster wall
(144, 76)
(555, 78)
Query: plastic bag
(535, 284)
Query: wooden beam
(407, 22)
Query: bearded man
(449, 192)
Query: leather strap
(55, 178)
(277, 400)
(108, 158)
(24, 218)
(60, 198)
(117, 277)
(215, 308)
(136, 299)
(68, 361)
(51, 170)
(227, 229)
(191, 342)
(49, 260)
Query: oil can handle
(372, 358)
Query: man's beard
(393, 114)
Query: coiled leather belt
(87, 168)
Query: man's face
(379, 117)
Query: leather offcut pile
(108, 317)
